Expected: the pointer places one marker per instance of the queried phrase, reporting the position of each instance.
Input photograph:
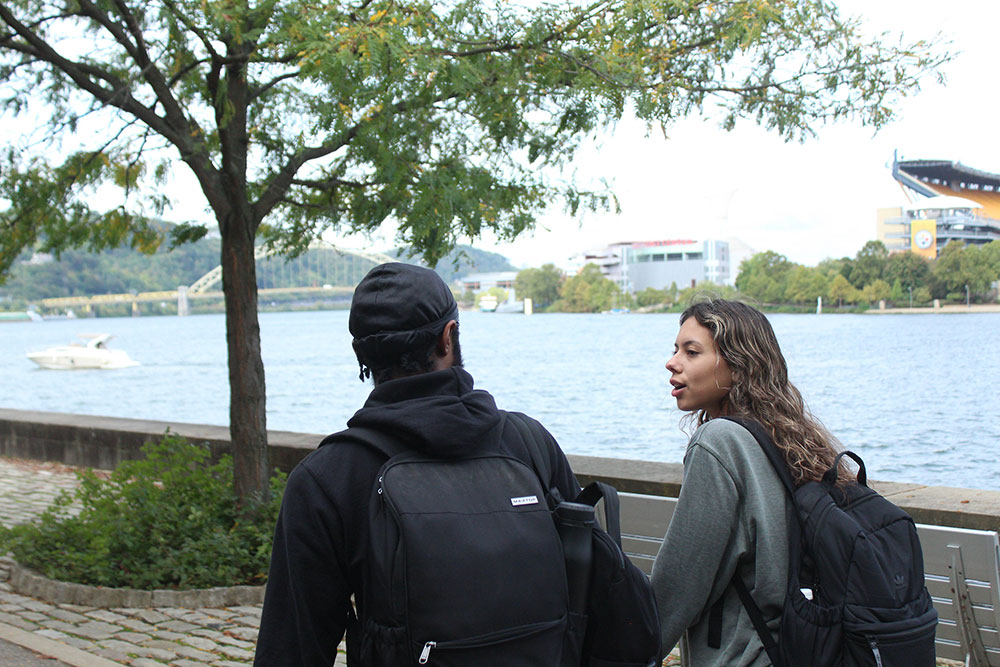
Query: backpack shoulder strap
(757, 618)
(381, 442)
(771, 450)
(531, 434)
(777, 461)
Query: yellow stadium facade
(948, 202)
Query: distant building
(479, 282)
(948, 202)
(636, 265)
(739, 250)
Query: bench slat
(934, 541)
(980, 594)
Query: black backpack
(622, 625)
(856, 595)
(463, 567)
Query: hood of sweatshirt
(438, 413)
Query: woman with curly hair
(733, 514)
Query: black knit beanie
(397, 308)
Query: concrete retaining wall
(103, 442)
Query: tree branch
(254, 94)
(173, 114)
(189, 24)
(281, 181)
(330, 184)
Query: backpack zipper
(489, 639)
(425, 655)
(873, 642)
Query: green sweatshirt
(732, 516)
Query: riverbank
(949, 309)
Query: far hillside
(461, 261)
(78, 272)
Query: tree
(832, 267)
(672, 293)
(587, 292)
(539, 285)
(990, 256)
(959, 265)
(705, 289)
(651, 297)
(869, 264)
(842, 290)
(876, 291)
(806, 284)
(909, 268)
(763, 276)
(450, 119)
(896, 293)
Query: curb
(50, 648)
(32, 584)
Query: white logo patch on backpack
(524, 500)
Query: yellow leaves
(344, 109)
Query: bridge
(324, 268)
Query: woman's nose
(671, 364)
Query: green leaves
(46, 207)
(166, 521)
(346, 115)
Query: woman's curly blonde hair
(760, 389)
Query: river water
(915, 395)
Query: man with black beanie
(404, 321)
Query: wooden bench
(961, 568)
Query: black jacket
(320, 538)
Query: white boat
(488, 303)
(95, 354)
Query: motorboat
(488, 303)
(94, 354)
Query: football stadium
(948, 201)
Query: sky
(806, 201)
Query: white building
(636, 265)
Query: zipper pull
(425, 655)
(873, 642)
(380, 485)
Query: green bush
(166, 521)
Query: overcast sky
(807, 201)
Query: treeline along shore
(962, 275)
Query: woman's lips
(676, 391)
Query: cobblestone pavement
(140, 637)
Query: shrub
(168, 520)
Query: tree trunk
(247, 413)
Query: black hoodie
(320, 538)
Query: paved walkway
(140, 637)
